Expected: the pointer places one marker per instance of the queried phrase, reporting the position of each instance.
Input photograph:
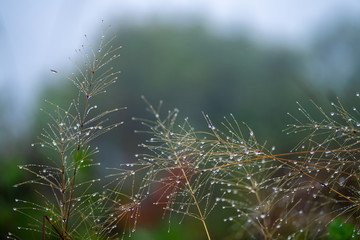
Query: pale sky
(36, 36)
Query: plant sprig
(72, 208)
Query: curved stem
(52, 224)
(196, 203)
(192, 193)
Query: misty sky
(36, 36)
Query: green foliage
(338, 230)
(196, 70)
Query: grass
(193, 173)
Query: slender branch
(63, 176)
(196, 203)
(72, 188)
(192, 194)
(52, 224)
(78, 150)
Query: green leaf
(339, 230)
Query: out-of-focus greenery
(340, 230)
(198, 71)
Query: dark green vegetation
(340, 230)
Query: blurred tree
(335, 57)
(195, 71)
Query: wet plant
(68, 206)
(300, 194)
(294, 195)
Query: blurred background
(254, 59)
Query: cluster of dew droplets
(68, 133)
(328, 159)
